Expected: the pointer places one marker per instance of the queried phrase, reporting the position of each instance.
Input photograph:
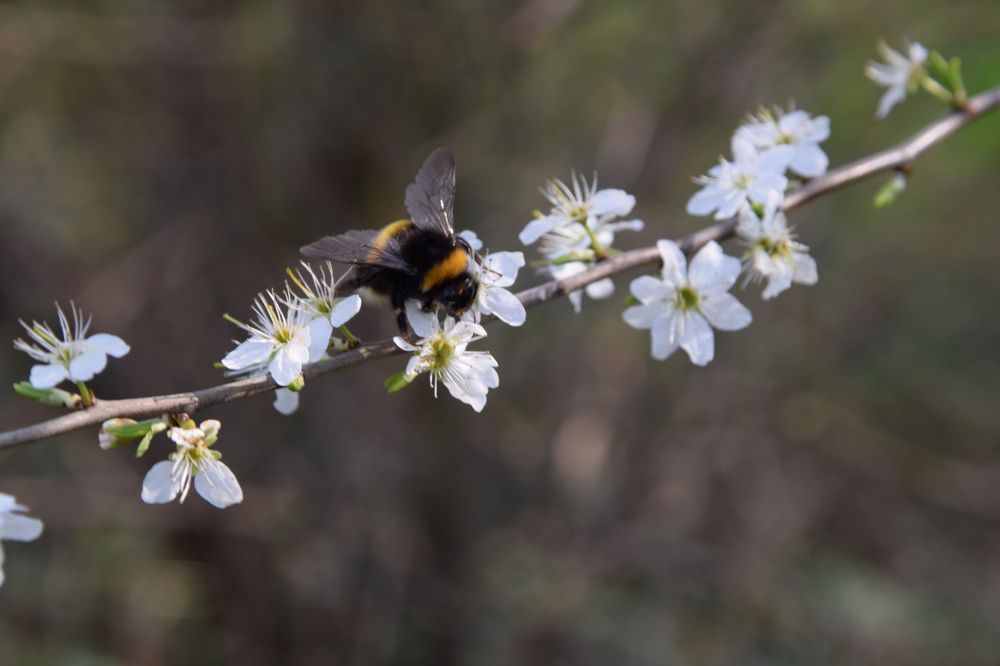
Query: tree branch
(900, 157)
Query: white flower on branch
(681, 308)
(596, 210)
(74, 356)
(280, 339)
(797, 132)
(441, 352)
(14, 526)
(579, 230)
(193, 460)
(751, 176)
(772, 252)
(496, 272)
(898, 74)
(324, 309)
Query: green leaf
(889, 192)
(396, 382)
(53, 396)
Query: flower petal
(424, 324)
(47, 376)
(600, 289)
(504, 305)
(109, 344)
(320, 331)
(472, 239)
(286, 402)
(697, 339)
(538, 228)
(674, 264)
(500, 268)
(248, 353)
(648, 289)
(712, 270)
(775, 160)
(404, 345)
(809, 160)
(86, 365)
(218, 485)
(893, 96)
(643, 316)
(663, 342)
(805, 270)
(705, 200)
(283, 369)
(159, 487)
(345, 310)
(726, 313)
(16, 527)
(611, 202)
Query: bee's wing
(429, 198)
(358, 247)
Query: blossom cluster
(579, 230)
(291, 329)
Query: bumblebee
(420, 257)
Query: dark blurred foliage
(827, 491)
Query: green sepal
(297, 384)
(396, 382)
(632, 300)
(939, 64)
(144, 444)
(950, 74)
(888, 193)
(134, 430)
(52, 396)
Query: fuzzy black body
(420, 258)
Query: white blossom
(497, 271)
(14, 526)
(751, 176)
(280, 339)
(796, 130)
(681, 308)
(579, 228)
(441, 352)
(596, 210)
(772, 252)
(74, 356)
(323, 308)
(193, 460)
(897, 74)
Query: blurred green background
(827, 491)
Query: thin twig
(901, 156)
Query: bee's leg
(398, 301)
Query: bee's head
(459, 294)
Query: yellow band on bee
(388, 231)
(450, 267)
